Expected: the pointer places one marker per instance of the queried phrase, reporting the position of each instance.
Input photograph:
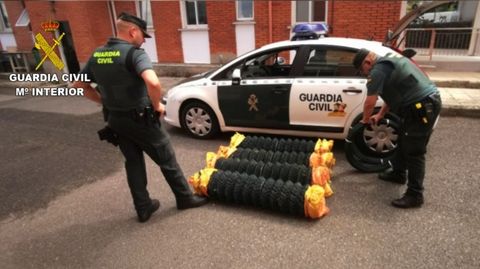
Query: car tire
(378, 140)
(199, 120)
(363, 158)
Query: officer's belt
(129, 113)
(120, 113)
(433, 97)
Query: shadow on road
(45, 155)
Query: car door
(327, 90)
(261, 98)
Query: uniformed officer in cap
(407, 92)
(130, 93)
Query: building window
(245, 10)
(311, 11)
(146, 12)
(23, 20)
(196, 12)
(4, 24)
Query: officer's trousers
(137, 136)
(416, 128)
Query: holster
(108, 134)
(151, 116)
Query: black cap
(359, 57)
(124, 16)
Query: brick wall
(88, 32)
(23, 35)
(281, 19)
(167, 22)
(363, 19)
(125, 6)
(220, 16)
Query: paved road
(64, 202)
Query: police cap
(359, 57)
(124, 16)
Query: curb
(457, 84)
(458, 111)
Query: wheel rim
(198, 121)
(380, 138)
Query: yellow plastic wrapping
(236, 140)
(315, 205)
(211, 159)
(200, 180)
(323, 145)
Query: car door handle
(279, 90)
(352, 90)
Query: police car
(302, 88)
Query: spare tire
(367, 156)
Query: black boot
(409, 200)
(393, 176)
(144, 215)
(191, 202)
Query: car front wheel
(199, 120)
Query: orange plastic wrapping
(320, 175)
(328, 190)
(315, 205)
(322, 159)
(200, 180)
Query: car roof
(331, 41)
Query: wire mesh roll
(265, 156)
(283, 171)
(278, 144)
(278, 195)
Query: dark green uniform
(412, 96)
(116, 68)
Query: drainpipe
(270, 24)
(330, 25)
(472, 48)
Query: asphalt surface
(65, 204)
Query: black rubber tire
(359, 140)
(199, 106)
(364, 161)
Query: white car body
(311, 99)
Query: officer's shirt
(140, 60)
(378, 77)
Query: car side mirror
(280, 61)
(409, 53)
(236, 76)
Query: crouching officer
(130, 92)
(407, 92)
